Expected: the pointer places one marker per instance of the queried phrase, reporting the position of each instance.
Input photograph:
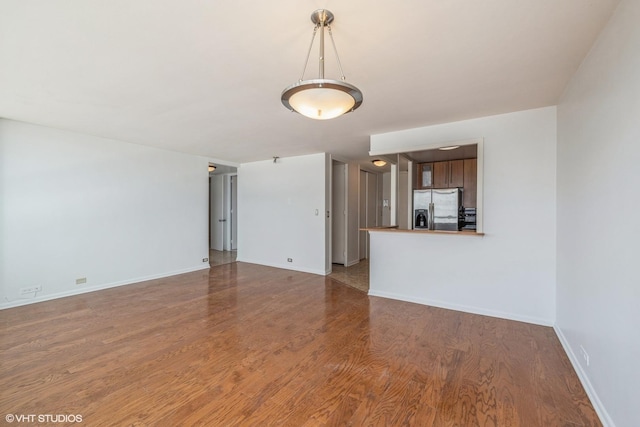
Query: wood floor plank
(246, 345)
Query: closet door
(338, 218)
(362, 194)
(370, 212)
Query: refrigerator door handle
(431, 213)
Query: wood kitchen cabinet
(469, 195)
(424, 175)
(448, 174)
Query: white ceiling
(205, 77)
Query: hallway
(221, 257)
(356, 276)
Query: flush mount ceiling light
(379, 162)
(321, 98)
(452, 147)
(212, 168)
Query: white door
(370, 214)
(372, 200)
(234, 212)
(362, 214)
(372, 204)
(339, 223)
(403, 201)
(217, 217)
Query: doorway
(223, 214)
(370, 208)
(339, 210)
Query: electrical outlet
(31, 290)
(81, 281)
(585, 355)
(289, 259)
(205, 259)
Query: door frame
(343, 235)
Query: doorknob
(221, 220)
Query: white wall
(277, 205)
(76, 206)
(509, 272)
(598, 295)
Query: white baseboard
(285, 266)
(84, 290)
(463, 308)
(352, 262)
(584, 379)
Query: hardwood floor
(248, 345)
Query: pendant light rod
(321, 18)
(333, 42)
(306, 62)
(321, 59)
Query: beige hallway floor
(221, 257)
(356, 276)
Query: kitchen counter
(395, 229)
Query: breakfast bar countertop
(395, 229)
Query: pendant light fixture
(321, 98)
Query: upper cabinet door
(424, 177)
(448, 174)
(441, 174)
(456, 173)
(470, 183)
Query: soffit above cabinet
(462, 152)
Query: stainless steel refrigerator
(441, 207)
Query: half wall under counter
(484, 275)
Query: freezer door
(445, 208)
(421, 199)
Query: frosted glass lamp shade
(322, 99)
(321, 103)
